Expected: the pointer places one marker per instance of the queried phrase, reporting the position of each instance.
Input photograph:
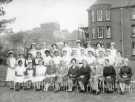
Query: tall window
(93, 16)
(133, 14)
(100, 32)
(107, 15)
(100, 15)
(108, 32)
(133, 30)
(93, 33)
(133, 48)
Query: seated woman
(40, 72)
(50, 75)
(96, 77)
(29, 75)
(109, 74)
(19, 75)
(84, 75)
(125, 75)
(61, 76)
(72, 74)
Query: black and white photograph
(67, 50)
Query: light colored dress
(20, 71)
(33, 52)
(47, 60)
(40, 73)
(11, 69)
(66, 59)
(57, 60)
(68, 49)
(91, 59)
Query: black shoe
(97, 92)
(17, 89)
(82, 91)
(122, 93)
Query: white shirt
(68, 49)
(66, 59)
(91, 59)
(57, 59)
(11, 62)
(33, 52)
(40, 70)
(101, 61)
(89, 49)
(22, 59)
(20, 70)
(47, 60)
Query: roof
(116, 3)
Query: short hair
(73, 59)
(20, 61)
(54, 45)
(47, 51)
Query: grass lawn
(7, 95)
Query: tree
(4, 22)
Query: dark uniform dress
(125, 74)
(109, 71)
(85, 72)
(73, 73)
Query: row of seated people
(78, 75)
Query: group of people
(69, 68)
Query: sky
(31, 13)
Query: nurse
(11, 63)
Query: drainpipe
(122, 33)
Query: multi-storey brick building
(113, 20)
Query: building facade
(113, 21)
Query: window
(108, 32)
(133, 48)
(100, 32)
(93, 33)
(133, 30)
(133, 14)
(99, 15)
(93, 16)
(108, 45)
(107, 15)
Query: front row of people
(79, 75)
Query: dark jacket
(109, 71)
(73, 72)
(84, 71)
(125, 70)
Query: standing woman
(11, 62)
(29, 59)
(67, 48)
(53, 49)
(99, 49)
(33, 50)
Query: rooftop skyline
(31, 13)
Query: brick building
(113, 20)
